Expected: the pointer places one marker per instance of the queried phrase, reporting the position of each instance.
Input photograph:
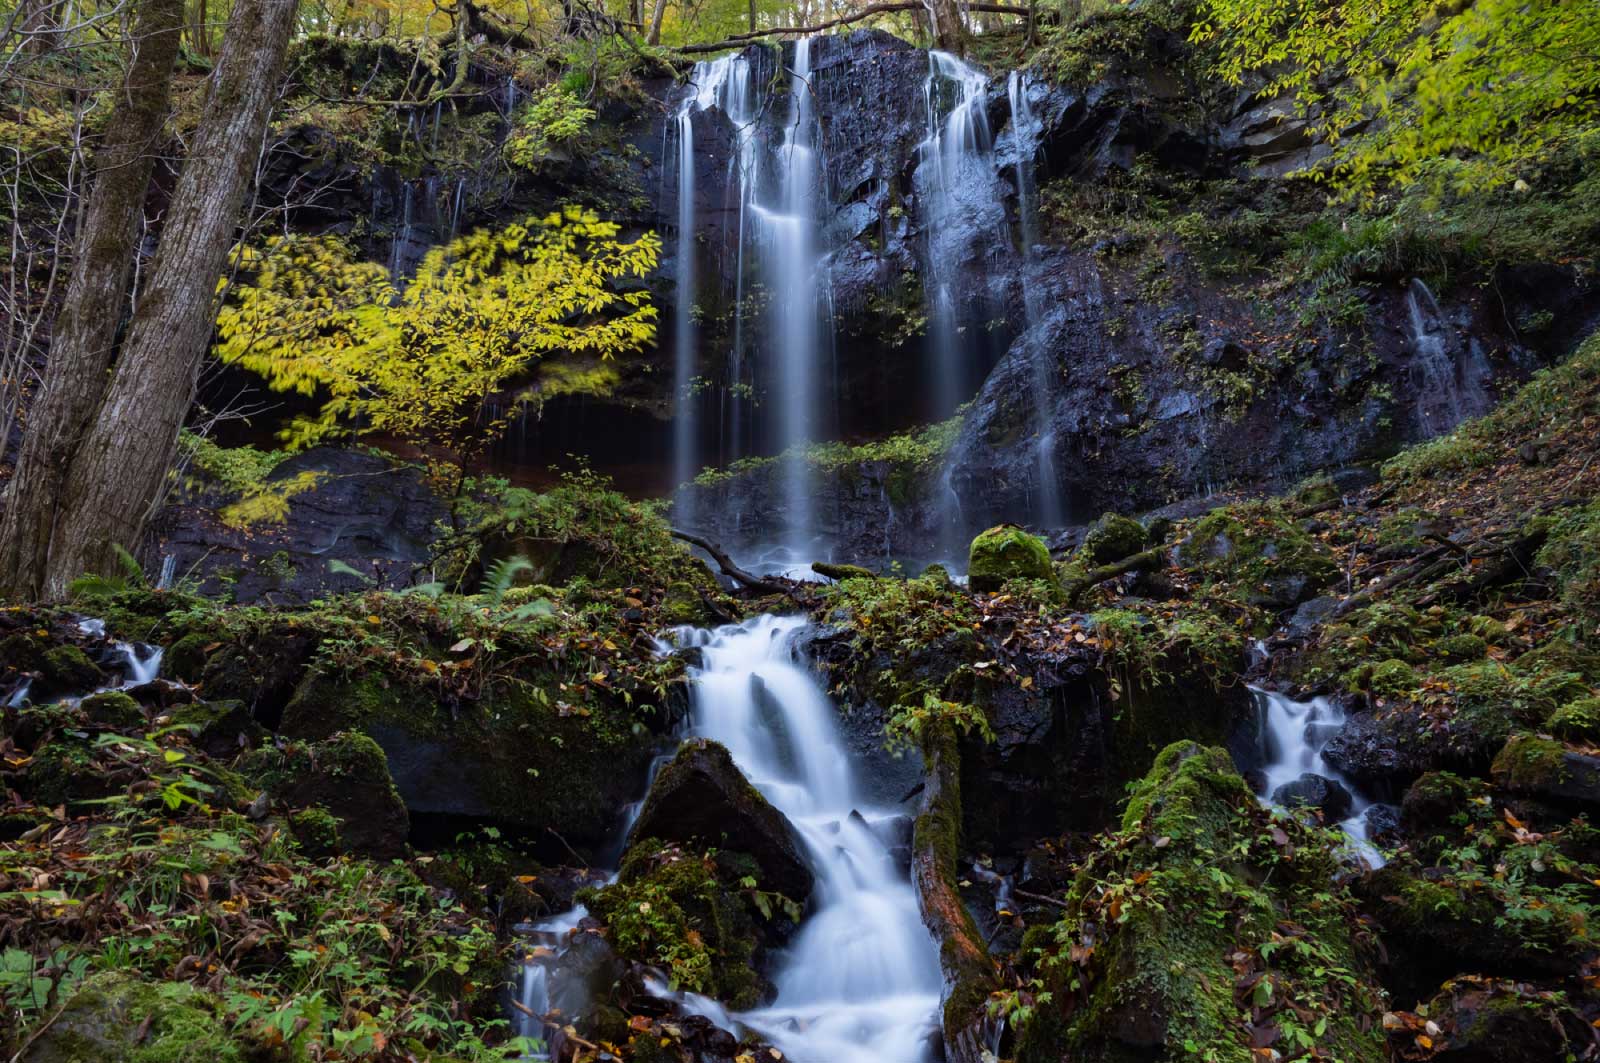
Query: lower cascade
(1295, 773)
(860, 983)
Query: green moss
(1258, 549)
(841, 572)
(1530, 764)
(1112, 538)
(113, 708)
(316, 829)
(121, 1018)
(1166, 914)
(1577, 721)
(1006, 552)
(1463, 647)
(1392, 679)
(682, 911)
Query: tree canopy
(1464, 96)
(424, 363)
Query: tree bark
(85, 329)
(118, 471)
(654, 36)
(949, 28)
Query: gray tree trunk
(119, 469)
(654, 36)
(85, 329)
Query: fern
(536, 609)
(501, 575)
(93, 586)
(433, 590)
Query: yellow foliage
(268, 503)
(423, 363)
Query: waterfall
(1293, 735)
(1449, 392)
(1025, 131)
(790, 239)
(861, 981)
(957, 149)
(685, 422)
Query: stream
(860, 982)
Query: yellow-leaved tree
(431, 363)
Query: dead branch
(729, 569)
(738, 40)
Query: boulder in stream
(1311, 790)
(702, 795)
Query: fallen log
(729, 569)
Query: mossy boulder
(1007, 552)
(701, 796)
(1160, 952)
(114, 709)
(345, 774)
(57, 669)
(122, 1018)
(1433, 926)
(1484, 1021)
(683, 909)
(222, 729)
(1577, 721)
(1462, 647)
(1259, 549)
(1543, 768)
(530, 755)
(1431, 807)
(1112, 538)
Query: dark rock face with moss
(701, 795)
(1167, 952)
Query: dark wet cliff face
(1147, 371)
(1140, 370)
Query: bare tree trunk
(85, 329)
(654, 36)
(752, 16)
(119, 468)
(949, 28)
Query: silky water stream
(860, 982)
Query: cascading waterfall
(790, 242)
(780, 195)
(958, 143)
(861, 981)
(685, 421)
(1293, 735)
(1025, 130)
(1448, 392)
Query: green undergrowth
(1202, 917)
(235, 939)
(910, 455)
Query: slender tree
(93, 307)
(115, 473)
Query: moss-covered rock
(1488, 1021)
(347, 774)
(1433, 810)
(1112, 538)
(1434, 925)
(122, 1018)
(222, 728)
(1260, 550)
(57, 668)
(1006, 552)
(1462, 647)
(1392, 678)
(702, 796)
(1577, 721)
(529, 755)
(682, 910)
(113, 708)
(1167, 952)
(1543, 768)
